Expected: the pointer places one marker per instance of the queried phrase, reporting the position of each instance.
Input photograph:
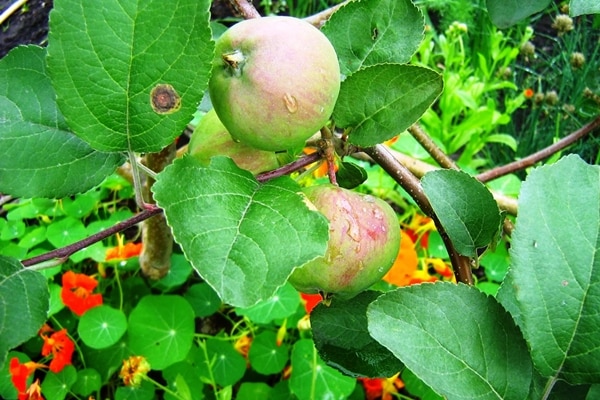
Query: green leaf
(204, 300)
(417, 387)
(41, 157)
(88, 381)
(369, 32)
(144, 392)
(107, 361)
(580, 7)
(465, 207)
(456, 339)
(243, 237)
(553, 285)
(253, 391)
(350, 175)
(226, 365)
(506, 13)
(312, 379)
(343, 340)
(102, 326)
(66, 231)
(161, 328)
(24, 304)
(283, 304)
(183, 380)
(56, 386)
(117, 67)
(265, 356)
(178, 274)
(379, 102)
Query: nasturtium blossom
(34, 392)
(123, 251)
(322, 169)
(381, 388)
(405, 264)
(60, 346)
(76, 292)
(242, 345)
(310, 301)
(20, 372)
(134, 370)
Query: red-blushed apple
(274, 82)
(364, 240)
(210, 138)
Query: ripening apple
(210, 138)
(274, 82)
(364, 240)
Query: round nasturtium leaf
(227, 366)
(88, 381)
(204, 300)
(102, 326)
(266, 357)
(161, 328)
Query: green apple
(274, 82)
(364, 240)
(210, 138)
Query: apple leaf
(580, 7)
(41, 157)
(243, 237)
(379, 102)
(24, 304)
(553, 286)
(343, 340)
(456, 339)
(129, 75)
(370, 32)
(312, 379)
(465, 207)
(506, 13)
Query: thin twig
(430, 147)
(382, 156)
(67, 251)
(320, 18)
(540, 155)
(11, 10)
(289, 168)
(245, 8)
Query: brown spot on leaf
(164, 99)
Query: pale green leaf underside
(580, 7)
(381, 101)
(40, 156)
(455, 338)
(24, 304)
(369, 32)
(505, 13)
(244, 238)
(105, 57)
(465, 207)
(553, 286)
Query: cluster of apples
(274, 84)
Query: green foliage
(507, 13)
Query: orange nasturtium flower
(20, 372)
(310, 301)
(34, 392)
(406, 263)
(123, 251)
(321, 171)
(381, 388)
(134, 370)
(528, 93)
(242, 345)
(76, 292)
(60, 345)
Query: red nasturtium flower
(134, 370)
(310, 301)
(34, 392)
(381, 388)
(60, 346)
(20, 372)
(77, 294)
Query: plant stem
(155, 259)
(245, 8)
(65, 252)
(11, 10)
(429, 145)
(540, 155)
(380, 154)
(289, 168)
(320, 18)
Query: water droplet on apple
(290, 103)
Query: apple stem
(245, 8)
(327, 148)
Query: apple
(274, 82)
(364, 240)
(210, 138)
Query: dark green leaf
(56, 386)
(266, 356)
(381, 101)
(350, 175)
(88, 381)
(244, 238)
(505, 13)
(370, 32)
(129, 75)
(553, 285)
(456, 339)
(465, 207)
(41, 157)
(24, 304)
(204, 300)
(341, 335)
